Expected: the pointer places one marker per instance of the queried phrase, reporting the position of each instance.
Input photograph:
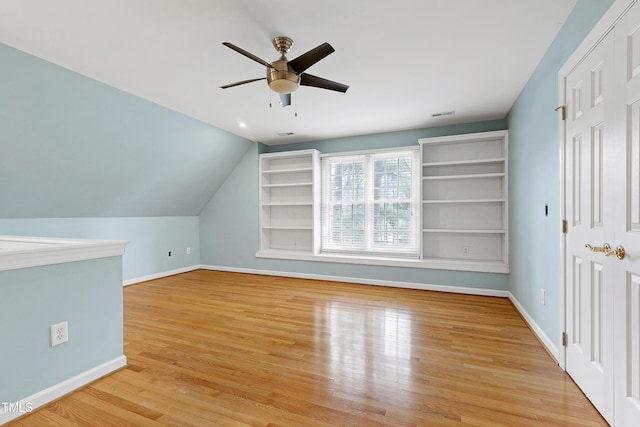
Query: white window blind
(371, 203)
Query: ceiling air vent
(443, 113)
(286, 134)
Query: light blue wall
(535, 175)
(229, 223)
(74, 147)
(86, 294)
(390, 139)
(150, 239)
(82, 159)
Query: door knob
(606, 249)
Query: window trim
(411, 253)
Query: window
(371, 203)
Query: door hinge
(565, 226)
(565, 339)
(564, 111)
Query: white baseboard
(30, 403)
(390, 283)
(159, 275)
(537, 330)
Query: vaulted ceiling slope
(73, 147)
(404, 60)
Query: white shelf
(290, 170)
(464, 162)
(286, 227)
(470, 176)
(463, 201)
(473, 231)
(270, 204)
(289, 184)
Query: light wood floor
(211, 348)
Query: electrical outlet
(543, 297)
(188, 251)
(59, 333)
(465, 250)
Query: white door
(602, 197)
(627, 220)
(589, 143)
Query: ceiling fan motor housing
(281, 78)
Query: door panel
(597, 331)
(602, 204)
(597, 168)
(627, 220)
(628, 353)
(589, 136)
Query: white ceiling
(403, 60)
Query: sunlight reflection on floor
(346, 335)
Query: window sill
(431, 263)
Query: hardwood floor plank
(208, 348)
(121, 405)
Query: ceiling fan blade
(247, 54)
(306, 60)
(309, 80)
(241, 83)
(285, 99)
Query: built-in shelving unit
(464, 213)
(289, 194)
(464, 200)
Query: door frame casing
(597, 33)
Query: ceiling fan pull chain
(296, 103)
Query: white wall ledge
(23, 252)
(438, 264)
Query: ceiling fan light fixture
(280, 78)
(283, 85)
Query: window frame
(368, 247)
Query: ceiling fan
(284, 76)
